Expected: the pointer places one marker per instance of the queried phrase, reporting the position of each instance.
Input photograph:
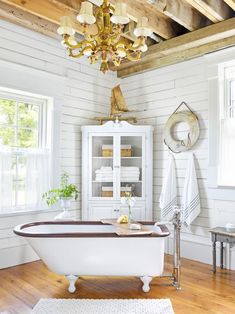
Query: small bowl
(230, 227)
(135, 227)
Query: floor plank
(22, 286)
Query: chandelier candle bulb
(87, 51)
(72, 41)
(85, 15)
(142, 28)
(120, 15)
(65, 26)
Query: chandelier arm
(71, 54)
(134, 58)
(112, 8)
(80, 44)
(115, 38)
(133, 48)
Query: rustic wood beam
(231, 3)
(184, 47)
(50, 10)
(23, 18)
(176, 58)
(182, 13)
(214, 10)
(160, 24)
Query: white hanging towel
(190, 200)
(168, 197)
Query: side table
(220, 234)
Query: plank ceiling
(183, 29)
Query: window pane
(21, 129)
(14, 191)
(21, 168)
(7, 136)
(7, 111)
(27, 138)
(21, 193)
(28, 115)
(14, 167)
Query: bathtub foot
(72, 280)
(146, 281)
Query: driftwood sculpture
(118, 108)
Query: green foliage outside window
(18, 124)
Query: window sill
(29, 212)
(221, 193)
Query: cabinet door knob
(116, 210)
(116, 167)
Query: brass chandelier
(107, 42)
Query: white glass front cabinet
(116, 157)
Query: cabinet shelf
(122, 181)
(104, 181)
(101, 157)
(132, 157)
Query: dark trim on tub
(19, 230)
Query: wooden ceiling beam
(177, 57)
(189, 45)
(160, 24)
(25, 19)
(50, 10)
(231, 3)
(182, 13)
(214, 10)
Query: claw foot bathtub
(74, 249)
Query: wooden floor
(202, 292)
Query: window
(226, 175)
(24, 151)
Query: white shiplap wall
(28, 61)
(154, 96)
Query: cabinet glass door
(131, 171)
(101, 169)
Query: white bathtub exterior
(101, 256)
(98, 256)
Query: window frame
(44, 133)
(218, 95)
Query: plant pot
(65, 203)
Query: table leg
(221, 255)
(214, 255)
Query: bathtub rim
(19, 230)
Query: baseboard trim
(17, 255)
(202, 252)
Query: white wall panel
(86, 95)
(154, 96)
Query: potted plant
(64, 194)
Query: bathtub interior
(76, 228)
(70, 228)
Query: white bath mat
(105, 306)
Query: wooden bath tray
(123, 229)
